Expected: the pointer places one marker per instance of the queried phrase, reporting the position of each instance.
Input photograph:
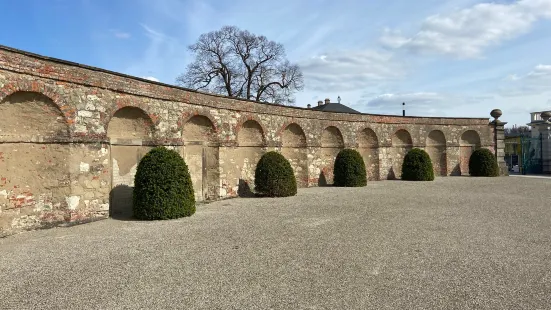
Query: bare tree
(240, 64)
(517, 131)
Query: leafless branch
(240, 64)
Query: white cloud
(154, 79)
(541, 70)
(120, 34)
(468, 32)
(535, 82)
(420, 103)
(350, 70)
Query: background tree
(240, 64)
(516, 131)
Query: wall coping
(92, 77)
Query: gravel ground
(455, 243)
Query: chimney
(320, 103)
(309, 106)
(327, 100)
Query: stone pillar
(499, 141)
(544, 128)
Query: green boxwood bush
(483, 163)
(349, 169)
(417, 166)
(274, 176)
(162, 186)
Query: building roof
(535, 118)
(335, 107)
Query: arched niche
(401, 144)
(201, 153)
(332, 137)
(293, 136)
(35, 176)
(436, 148)
(199, 128)
(368, 145)
(468, 143)
(250, 134)
(127, 130)
(30, 114)
(401, 137)
(251, 143)
(130, 123)
(331, 143)
(470, 138)
(367, 138)
(293, 142)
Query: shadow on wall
(120, 202)
(322, 180)
(391, 175)
(456, 170)
(244, 189)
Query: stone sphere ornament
(546, 115)
(496, 113)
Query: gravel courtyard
(455, 243)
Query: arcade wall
(71, 137)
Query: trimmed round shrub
(349, 169)
(162, 186)
(274, 176)
(417, 166)
(483, 163)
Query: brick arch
(401, 137)
(28, 114)
(331, 141)
(300, 132)
(35, 110)
(436, 137)
(256, 122)
(286, 125)
(68, 112)
(125, 123)
(128, 122)
(470, 137)
(187, 116)
(250, 117)
(332, 136)
(469, 141)
(371, 137)
(126, 103)
(401, 144)
(201, 153)
(386, 134)
(199, 128)
(368, 146)
(295, 150)
(324, 125)
(435, 146)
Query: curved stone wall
(71, 137)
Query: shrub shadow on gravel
(120, 203)
(244, 190)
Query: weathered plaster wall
(71, 137)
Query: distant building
(329, 106)
(535, 118)
(526, 151)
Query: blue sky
(443, 58)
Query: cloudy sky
(443, 58)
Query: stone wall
(71, 137)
